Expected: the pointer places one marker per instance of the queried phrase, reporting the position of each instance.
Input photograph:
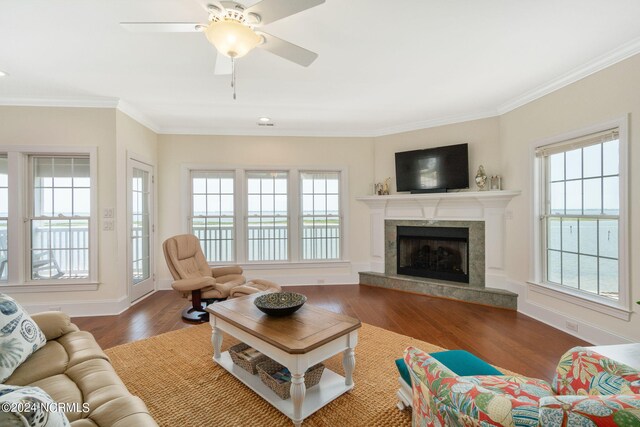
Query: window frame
(294, 208)
(234, 252)
(2, 218)
(302, 216)
(19, 214)
(289, 247)
(617, 308)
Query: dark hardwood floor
(501, 337)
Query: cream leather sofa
(72, 368)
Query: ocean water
(583, 254)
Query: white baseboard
(108, 307)
(586, 331)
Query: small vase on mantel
(481, 178)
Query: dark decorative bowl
(280, 303)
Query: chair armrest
(582, 371)
(614, 410)
(218, 272)
(188, 285)
(265, 285)
(54, 324)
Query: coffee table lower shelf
(330, 387)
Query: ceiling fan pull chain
(233, 77)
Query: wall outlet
(56, 308)
(508, 214)
(320, 281)
(107, 225)
(572, 326)
(107, 213)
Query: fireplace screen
(434, 252)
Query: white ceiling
(383, 66)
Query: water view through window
(582, 218)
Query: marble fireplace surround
(476, 245)
(484, 212)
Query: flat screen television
(433, 169)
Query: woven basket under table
(269, 367)
(247, 365)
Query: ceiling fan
(235, 30)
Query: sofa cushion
(29, 406)
(125, 411)
(52, 359)
(19, 336)
(63, 390)
(98, 382)
(54, 324)
(81, 346)
(56, 357)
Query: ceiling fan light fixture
(232, 38)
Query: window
(581, 214)
(267, 216)
(51, 212)
(283, 216)
(60, 216)
(212, 218)
(320, 215)
(4, 216)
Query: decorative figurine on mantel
(382, 188)
(481, 178)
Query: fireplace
(433, 252)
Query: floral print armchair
(589, 390)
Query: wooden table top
(306, 329)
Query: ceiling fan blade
(272, 10)
(287, 50)
(160, 27)
(223, 65)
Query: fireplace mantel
(441, 205)
(487, 206)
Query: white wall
(39, 126)
(606, 95)
(133, 140)
(481, 135)
(354, 154)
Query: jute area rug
(175, 375)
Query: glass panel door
(140, 229)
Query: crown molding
(137, 115)
(623, 52)
(272, 131)
(60, 102)
(431, 123)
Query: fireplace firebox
(434, 252)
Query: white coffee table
(299, 341)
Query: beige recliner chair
(195, 279)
